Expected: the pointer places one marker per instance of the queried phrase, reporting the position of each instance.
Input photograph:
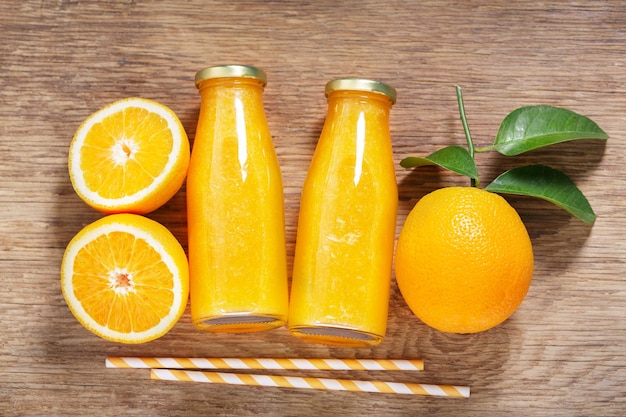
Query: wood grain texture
(562, 353)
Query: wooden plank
(561, 353)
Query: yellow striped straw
(310, 383)
(267, 363)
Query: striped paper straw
(262, 363)
(310, 383)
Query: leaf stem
(485, 149)
(468, 135)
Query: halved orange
(131, 156)
(125, 278)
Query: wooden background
(563, 351)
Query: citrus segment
(464, 260)
(130, 156)
(125, 278)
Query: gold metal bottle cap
(227, 71)
(361, 84)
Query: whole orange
(464, 260)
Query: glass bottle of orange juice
(236, 227)
(346, 228)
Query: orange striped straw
(310, 383)
(267, 363)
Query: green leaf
(546, 183)
(454, 158)
(533, 127)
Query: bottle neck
(357, 130)
(354, 104)
(376, 99)
(231, 108)
(352, 108)
(210, 86)
(232, 104)
(356, 138)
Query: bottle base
(336, 336)
(239, 323)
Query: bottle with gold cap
(236, 227)
(346, 227)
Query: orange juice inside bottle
(238, 267)
(347, 221)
